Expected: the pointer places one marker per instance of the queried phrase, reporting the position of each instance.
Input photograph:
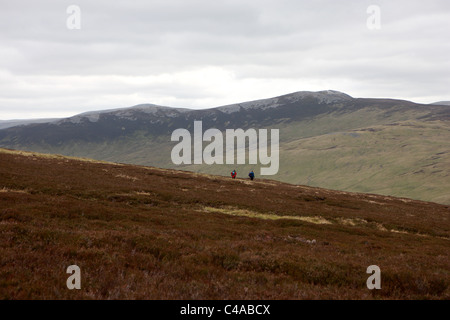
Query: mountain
(442, 103)
(148, 233)
(19, 122)
(327, 139)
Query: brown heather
(148, 233)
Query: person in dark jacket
(233, 174)
(251, 175)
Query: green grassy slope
(410, 159)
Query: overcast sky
(205, 53)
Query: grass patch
(265, 216)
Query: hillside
(14, 123)
(147, 233)
(442, 103)
(327, 139)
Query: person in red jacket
(233, 174)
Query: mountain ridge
(324, 96)
(442, 103)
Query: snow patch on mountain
(130, 113)
(322, 97)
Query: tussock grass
(353, 222)
(253, 214)
(126, 177)
(6, 190)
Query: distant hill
(149, 233)
(327, 139)
(442, 103)
(19, 122)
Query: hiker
(251, 175)
(233, 174)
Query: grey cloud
(126, 51)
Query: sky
(60, 58)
